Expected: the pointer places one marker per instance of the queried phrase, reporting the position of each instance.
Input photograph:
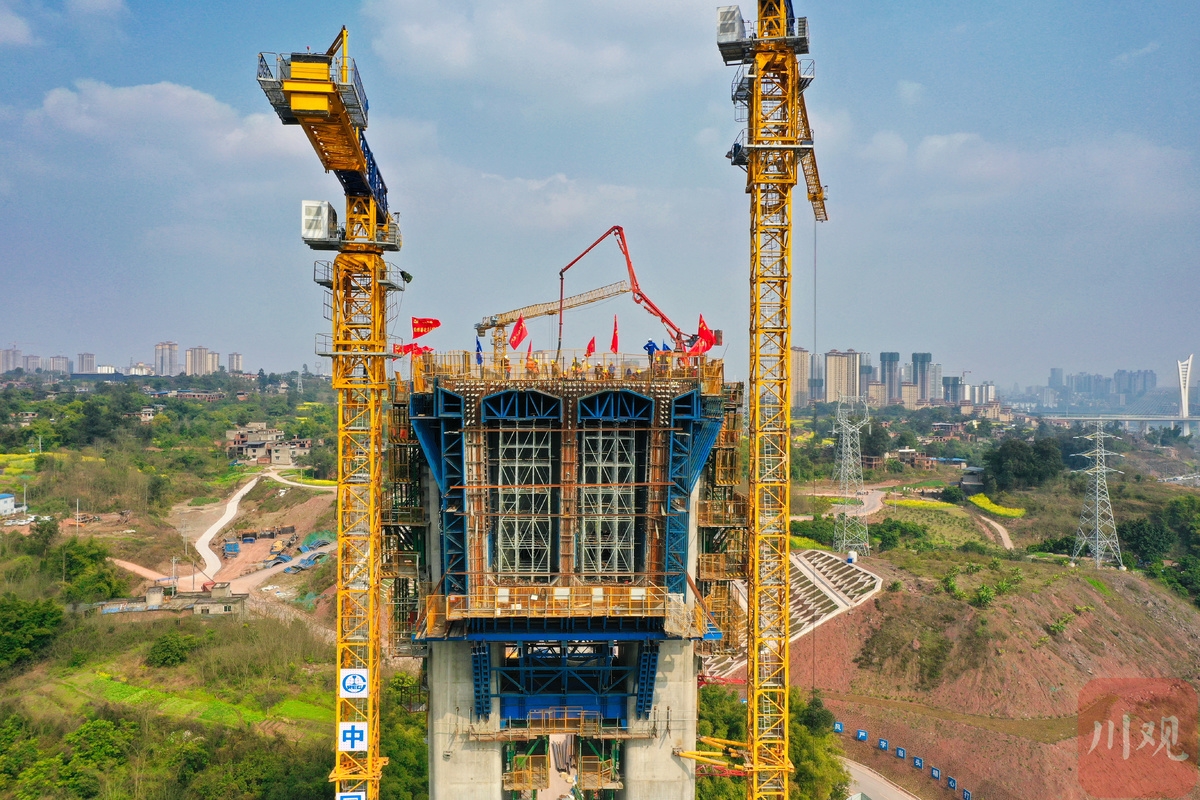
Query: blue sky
(1013, 186)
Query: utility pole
(1097, 528)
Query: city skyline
(958, 223)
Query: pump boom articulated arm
(677, 336)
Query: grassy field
(948, 526)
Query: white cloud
(1125, 58)
(594, 53)
(14, 29)
(887, 147)
(106, 8)
(910, 92)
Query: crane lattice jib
(321, 93)
(778, 148)
(498, 323)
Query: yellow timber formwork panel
(360, 380)
(771, 173)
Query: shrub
(982, 502)
(895, 586)
(952, 494)
(26, 627)
(983, 597)
(170, 650)
(908, 502)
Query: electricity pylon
(850, 530)
(1097, 528)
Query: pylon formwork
(561, 545)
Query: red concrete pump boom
(639, 297)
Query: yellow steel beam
(777, 132)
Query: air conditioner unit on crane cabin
(318, 221)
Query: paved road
(212, 562)
(872, 502)
(873, 785)
(246, 583)
(275, 476)
(1000, 529)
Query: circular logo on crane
(353, 683)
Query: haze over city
(1011, 187)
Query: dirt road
(1000, 529)
(137, 569)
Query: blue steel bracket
(647, 674)
(692, 438)
(481, 674)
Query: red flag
(530, 351)
(591, 348)
(706, 335)
(519, 332)
(423, 325)
(398, 349)
(614, 347)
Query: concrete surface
(871, 783)
(212, 561)
(1000, 529)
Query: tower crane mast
(322, 93)
(777, 148)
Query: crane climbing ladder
(776, 149)
(323, 94)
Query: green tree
(1016, 464)
(170, 650)
(42, 534)
(26, 627)
(875, 442)
(1148, 538)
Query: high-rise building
(31, 363)
(921, 362)
(1056, 378)
(816, 380)
(86, 362)
(952, 389)
(10, 360)
(866, 373)
(195, 361)
(166, 358)
(801, 364)
(58, 364)
(235, 363)
(841, 375)
(908, 395)
(889, 375)
(935, 382)
(212, 363)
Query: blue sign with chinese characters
(900, 752)
(951, 783)
(966, 795)
(839, 727)
(918, 762)
(861, 735)
(935, 773)
(883, 744)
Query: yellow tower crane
(498, 323)
(776, 148)
(322, 93)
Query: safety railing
(558, 601)
(573, 365)
(721, 566)
(597, 773)
(723, 513)
(527, 773)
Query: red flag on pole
(706, 335)
(614, 348)
(398, 349)
(519, 332)
(423, 325)
(591, 348)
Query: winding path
(1000, 529)
(212, 562)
